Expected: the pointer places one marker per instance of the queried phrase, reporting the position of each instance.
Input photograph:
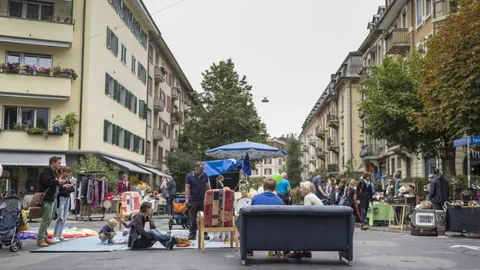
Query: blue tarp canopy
(218, 167)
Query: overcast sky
(286, 48)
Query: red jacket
(119, 187)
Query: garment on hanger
(90, 191)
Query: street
(373, 249)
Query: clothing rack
(90, 193)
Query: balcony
(173, 144)
(306, 148)
(332, 145)
(157, 164)
(313, 142)
(159, 76)
(55, 29)
(313, 159)
(332, 168)
(21, 140)
(332, 120)
(35, 86)
(158, 105)
(397, 41)
(369, 152)
(175, 93)
(320, 132)
(320, 153)
(157, 135)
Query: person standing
(364, 195)
(63, 203)
(196, 184)
(171, 187)
(219, 182)
(284, 189)
(48, 184)
(438, 190)
(123, 185)
(398, 182)
(318, 182)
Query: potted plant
(56, 70)
(69, 122)
(44, 71)
(164, 69)
(3, 67)
(13, 68)
(20, 127)
(68, 72)
(35, 131)
(178, 116)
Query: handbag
(38, 197)
(184, 242)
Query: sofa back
(325, 228)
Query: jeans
(160, 237)
(363, 212)
(170, 206)
(62, 214)
(48, 209)
(195, 207)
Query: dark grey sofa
(296, 228)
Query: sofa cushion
(218, 208)
(296, 210)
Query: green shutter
(116, 90)
(105, 130)
(117, 138)
(145, 107)
(125, 139)
(143, 147)
(114, 133)
(108, 37)
(140, 108)
(135, 105)
(126, 98)
(106, 82)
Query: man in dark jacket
(139, 238)
(48, 184)
(170, 195)
(438, 190)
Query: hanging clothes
(90, 191)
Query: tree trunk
(448, 162)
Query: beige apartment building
(398, 28)
(332, 136)
(271, 166)
(128, 91)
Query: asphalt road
(372, 250)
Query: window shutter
(115, 43)
(135, 105)
(125, 139)
(143, 146)
(114, 134)
(105, 130)
(140, 108)
(106, 83)
(145, 107)
(169, 104)
(108, 37)
(135, 143)
(116, 90)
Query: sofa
(296, 228)
(33, 212)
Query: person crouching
(108, 232)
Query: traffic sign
(475, 140)
(459, 142)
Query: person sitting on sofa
(268, 197)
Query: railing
(159, 74)
(157, 134)
(306, 148)
(175, 94)
(332, 168)
(320, 131)
(158, 104)
(398, 41)
(157, 164)
(313, 142)
(173, 144)
(331, 142)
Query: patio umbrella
(239, 150)
(247, 168)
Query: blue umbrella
(240, 149)
(247, 168)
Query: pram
(10, 217)
(179, 212)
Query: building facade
(271, 166)
(103, 61)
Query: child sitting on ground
(108, 232)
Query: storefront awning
(128, 165)
(28, 159)
(155, 171)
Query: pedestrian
(398, 182)
(63, 203)
(123, 185)
(428, 186)
(439, 190)
(48, 183)
(268, 197)
(219, 182)
(318, 182)
(284, 189)
(171, 189)
(196, 185)
(364, 195)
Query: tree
(179, 164)
(294, 163)
(92, 162)
(390, 95)
(226, 115)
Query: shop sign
(425, 219)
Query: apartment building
(395, 30)
(104, 61)
(270, 166)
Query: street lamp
(265, 100)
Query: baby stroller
(10, 217)
(180, 212)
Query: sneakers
(55, 240)
(206, 237)
(192, 237)
(63, 239)
(172, 242)
(104, 242)
(110, 242)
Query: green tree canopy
(450, 90)
(179, 164)
(389, 97)
(227, 113)
(92, 162)
(294, 163)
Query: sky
(286, 48)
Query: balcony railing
(320, 153)
(320, 132)
(332, 120)
(38, 86)
(332, 144)
(175, 93)
(159, 77)
(21, 140)
(398, 41)
(306, 148)
(173, 144)
(158, 105)
(158, 135)
(313, 141)
(157, 164)
(332, 168)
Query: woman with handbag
(363, 196)
(63, 203)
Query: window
(147, 152)
(31, 10)
(107, 132)
(25, 116)
(280, 161)
(428, 8)
(267, 171)
(142, 109)
(160, 154)
(121, 138)
(109, 85)
(404, 18)
(419, 12)
(134, 64)
(149, 118)
(123, 56)
(123, 95)
(30, 59)
(133, 104)
(112, 41)
(142, 73)
(130, 21)
(150, 85)
(150, 54)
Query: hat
(430, 176)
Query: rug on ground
(69, 232)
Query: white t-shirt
(312, 199)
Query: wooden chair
(218, 216)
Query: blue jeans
(363, 212)
(160, 237)
(62, 214)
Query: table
(463, 219)
(392, 215)
(382, 213)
